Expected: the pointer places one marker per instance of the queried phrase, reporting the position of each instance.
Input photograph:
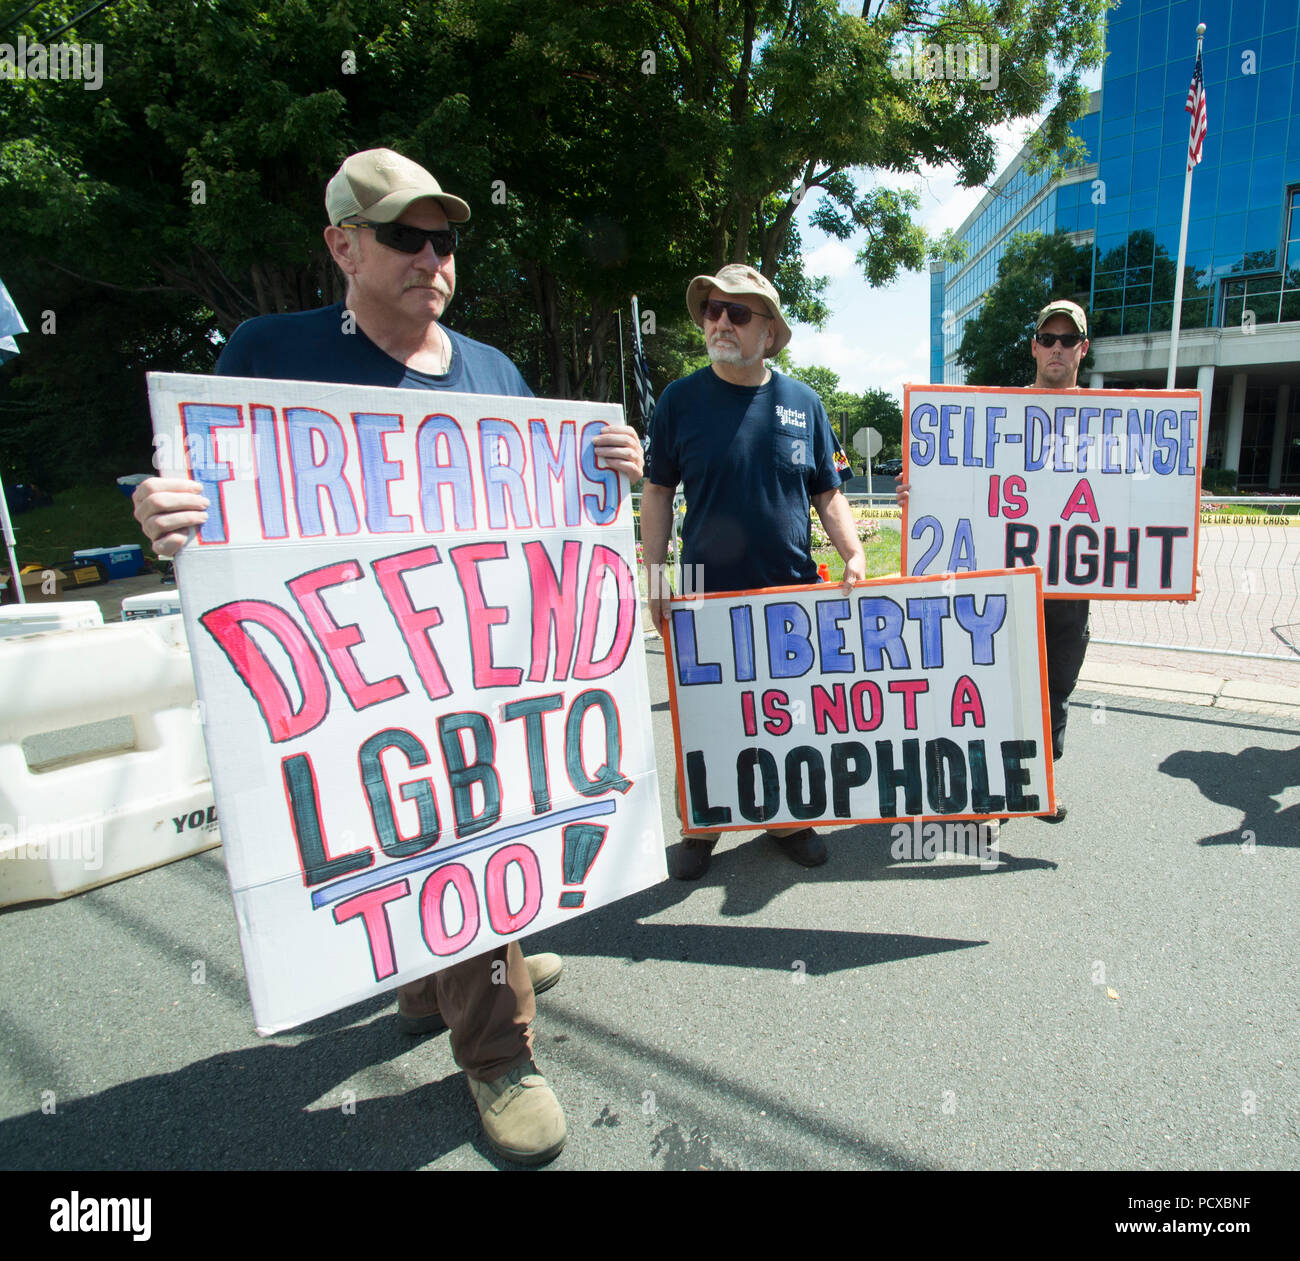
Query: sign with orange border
(922, 697)
(1098, 488)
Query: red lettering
(502, 919)
(373, 909)
(412, 622)
(778, 719)
(867, 687)
(226, 625)
(1013, 491)
(604, 561)
(832, 705)
(747, 713)
(555, 608)
(481, 615)
(966, 701)
(338, 639)
(432, 923)
(1081, 500)
(909, 690)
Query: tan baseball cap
(736, 279)
(1070, 309)
(379, 184)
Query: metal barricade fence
(1249, 602)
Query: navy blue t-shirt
(312, 346)
(751, 458)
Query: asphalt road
(1123, 992)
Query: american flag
(645, 399)
(1196, 108)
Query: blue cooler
(116, 562)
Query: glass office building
(1240, 337)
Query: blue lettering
(930, 610)
(886, 636)
(454, 471)
(310, 480)
(371, 427)
(789, 649)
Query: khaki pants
(491, 1022)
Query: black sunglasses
(409, 240)
(1068, 340)
(737, 312)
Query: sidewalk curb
(1191, 688)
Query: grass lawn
(84, 517)
(882, 556)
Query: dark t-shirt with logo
(750, 459)
(316, 346)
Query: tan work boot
(543, 971)
(522, 1118)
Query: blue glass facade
(1240, 341)
(1238, 223)
(1018, 202)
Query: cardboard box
(38, 584)
(84, 572)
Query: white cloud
(831, 258)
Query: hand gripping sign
(415, 632)
(1098, 488)
(921, 697)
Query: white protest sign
(799, 705)
(1099, 488)
(417, 645)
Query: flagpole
(1182, 245)
(7, 529)
(622, 367)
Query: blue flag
(11, 323)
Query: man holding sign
(755, 452)
(1059, 345)
(391, 234)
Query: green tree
(607, 147)
(880, 410)
(824, 382)
(1034, 270)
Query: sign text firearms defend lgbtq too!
(907, 698)
(1098, 488)
(415, 630)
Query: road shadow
(1248, 781)
(270, 1106)
(752, 874)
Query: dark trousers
(1065, 628)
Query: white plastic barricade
(151, 604)
(80, 821)
(30, 619)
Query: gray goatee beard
(732, 355)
